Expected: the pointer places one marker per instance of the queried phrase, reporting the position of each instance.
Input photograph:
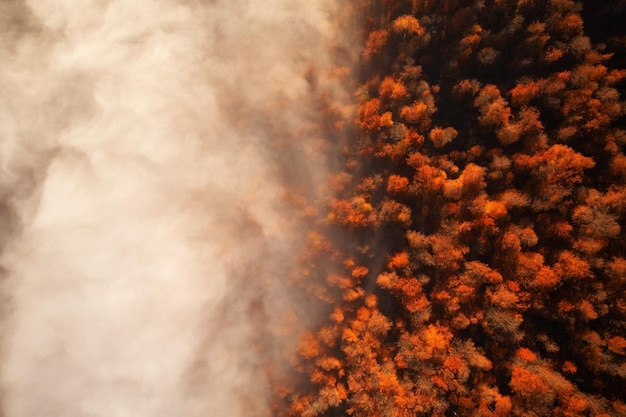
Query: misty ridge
(146, 150)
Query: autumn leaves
(473, 255)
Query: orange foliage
(526, 355)
(337, 315)
(369, 117)
(570, 266)
(514, 199)
(494, 110)
(495, 209)
(546, 278)
(416, 114)
(617, 345)
(494, 242)
(309, 346)
(359, 271)
(522, 94)
(356, 212)
(397, 184)
(375, 42)
(399, 261)
(587, 311)
(503, 406)
(436, 337)
(440, 137)
(408, 23)
(392, 89)
(569, 367)
(526, 383)
(473, 178)
(393, 212)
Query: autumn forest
(471, 259)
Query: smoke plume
(144, 147)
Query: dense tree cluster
(472, 261)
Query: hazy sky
(142, 178)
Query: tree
(556, 171)
(392, 89)
(440, 137)
(494, 110)
(376, 41)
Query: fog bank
(141, 195)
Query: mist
(145, 147)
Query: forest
(471, 259)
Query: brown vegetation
(481, 272)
